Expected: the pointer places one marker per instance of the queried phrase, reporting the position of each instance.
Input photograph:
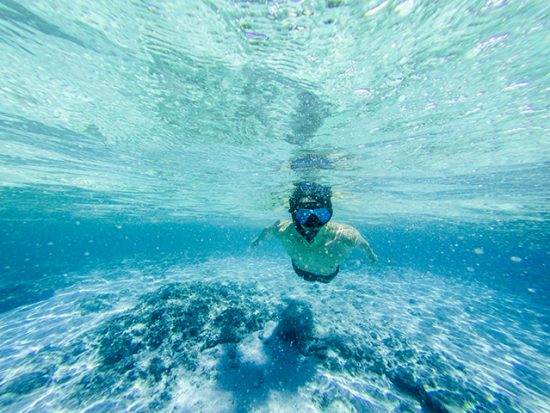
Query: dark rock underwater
(166, 335)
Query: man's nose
(312, 221)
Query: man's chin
(312, 229)
(310, 233)
(307, 232)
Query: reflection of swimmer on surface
(315, 245)
(311, 162)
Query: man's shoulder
(282, 225)
(343, 230)
(337, 226)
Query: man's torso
(322, 256)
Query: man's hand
(267, 232)
(255, 242)
(373, 258)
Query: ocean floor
(246, 334)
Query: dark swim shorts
(309, 276)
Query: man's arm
(364, 246)
(266, 233)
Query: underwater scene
(275, 206)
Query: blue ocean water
(144, 144)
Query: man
(315, 245)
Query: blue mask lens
(322, 214)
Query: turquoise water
(144, 144)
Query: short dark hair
(319, 193)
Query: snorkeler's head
(310, 205)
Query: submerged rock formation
(136, 357)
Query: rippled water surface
(144, 143)
(184, 109)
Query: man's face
(311, 214)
